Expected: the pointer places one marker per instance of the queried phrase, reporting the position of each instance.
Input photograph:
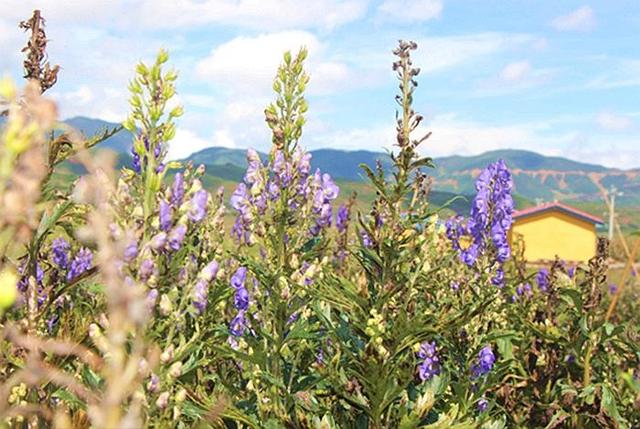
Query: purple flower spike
(542, 278)
(430, 366)
(80, 264)
(342, 218)
(177, 190)
(60, 248)
(485, 362)
(165, 215)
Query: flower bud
(166, 306)
(167, 355)
(175, 370)
(159, 241)
(181, 395)
(163, 400)
(209, 272)
(154, 383)
(143, 367)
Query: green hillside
(536, 177)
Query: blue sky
(558, 77)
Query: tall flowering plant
(402, 352)
(174, 230)
(283, 214)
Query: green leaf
(71, 399)
(610, 407)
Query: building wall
(556, 233)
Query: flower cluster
(240, 302)
(485, 362)
(430, 365)
(522, 290)
(285, 181)
(543, 279)
(489, 221)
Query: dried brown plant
(36, 65)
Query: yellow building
(556, 229)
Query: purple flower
(253, 169)
(177, 190)
(239, 198)
(176, 237)
(198, 205)
(430, 365)
(60, 248)
(135, 162)
(342, 218)
(210, 271)
(330, 189)
(613, 288)
(241, 299)
(131, 251)
(146, 270)
(159, 241)
(200, 296)
(571, 272)
(498, 278)
(165, 215)
(485, 362)
(238, 325)
(483, 404)
(293, 317)
(152, 298)
(281, 169)
(239, 277)
(81, 263)
(303, 162)
(154, 383)
(542, 278)
(366, 240)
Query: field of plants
(127, 301)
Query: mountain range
(536, 177)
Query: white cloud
(187, 142)
(441, 53)
(513, 77)
(163, 14)
(106, 103)
(261, 14)
(248, 65)
(610, 121)
(582, 19)
(620, 73)
(410, 10)
(515, 72)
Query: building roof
(572, 211)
